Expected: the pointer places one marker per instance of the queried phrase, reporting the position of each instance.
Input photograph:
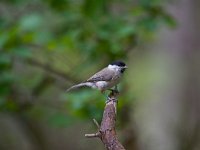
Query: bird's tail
(88, 84)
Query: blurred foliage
(48, 45)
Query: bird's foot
(109, 99)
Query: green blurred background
(48, 45)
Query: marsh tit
(105, 79)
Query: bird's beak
(125, 67)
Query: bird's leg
(115, 90)
(112, 97)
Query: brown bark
(106, 132)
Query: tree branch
(106, 132)
(47, 68)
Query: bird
(105, 79)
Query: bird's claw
(109, 99)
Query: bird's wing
(103, 75)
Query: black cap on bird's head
(119, 63)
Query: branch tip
(96, 123)
(92, 135)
